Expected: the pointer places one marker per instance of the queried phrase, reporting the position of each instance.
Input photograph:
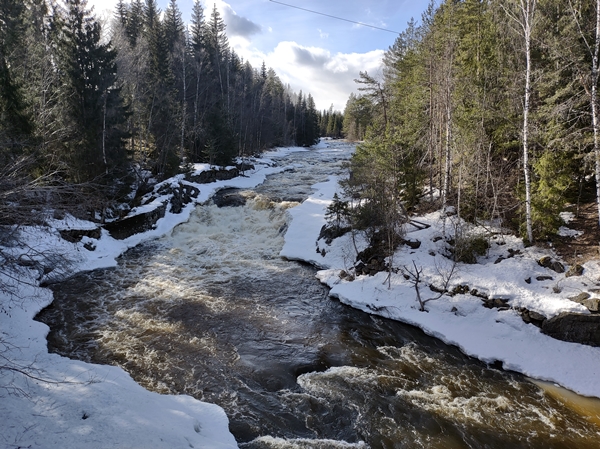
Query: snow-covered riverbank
(65, 403)
(94, 406)
(490, 335)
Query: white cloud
(238, 25)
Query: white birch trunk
(528, 10)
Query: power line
(335, 17)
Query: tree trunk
(594, 105)
(527, 30)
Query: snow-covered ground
(83, 405)
(488, 334)
(70, 404)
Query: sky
(312, 53)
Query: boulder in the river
(574, 327)
(229, 198)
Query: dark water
(213, 312)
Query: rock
(89, 246)
(182, 195)
(228, 198)
(214, 175)
(500, 302)
(528, 280)
(592, 304)
(478, 294)
(554, 265)
(329, 233)
(535, 316)
(412, 244)
(575, 270)
(500, 259)
(75, 235)
(121, 229)
(461, 290)
(544, 278)
(580, 297)
(574, 327)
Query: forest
(486, 107)
(88, 110)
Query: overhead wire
(335, 17)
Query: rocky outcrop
(574, 327)
(214, 175)
(126, 227)
(182, 195)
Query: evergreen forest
(89, 109)
(487, 108)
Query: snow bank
(488, 334)
(84, 405)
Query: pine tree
(15, 123)
(92, 108)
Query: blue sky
(313, 53)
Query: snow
(84, 405)
(488, 334)
(95, 406)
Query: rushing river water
(211, 310)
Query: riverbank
(508, 272)
(48, 401)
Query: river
(212, 311)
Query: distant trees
(88, 105)
(487, 110)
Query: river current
(212, 311)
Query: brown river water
(212, 311)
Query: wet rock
(500, 259)
(228, 198)
(575, 270)
(554, 265)
(574, 327)
(121, 229)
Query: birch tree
(524, 16)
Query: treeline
(87, 105)
(488, 107)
